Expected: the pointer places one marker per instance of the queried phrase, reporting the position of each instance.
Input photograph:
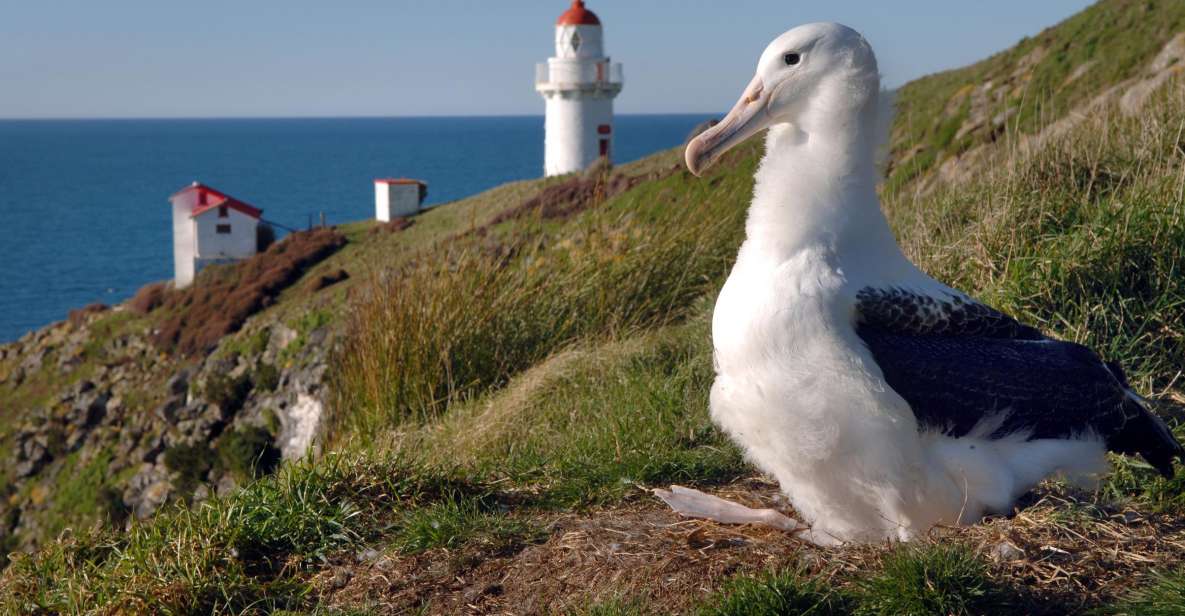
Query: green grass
(933, 579)
(304, 325)
(589, 424)
(85, 496)
(1118, 38)
(786, 593)
(456, 521)
(1163, 596)
(465, 318)
(616, 606)
(248, 553)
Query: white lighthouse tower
(579, 85)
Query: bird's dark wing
(958, 363)
(906, 312)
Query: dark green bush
(191, 463)
(227, 392)
(247, 453)
(266, 377)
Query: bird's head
(810, 75)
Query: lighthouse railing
(555, 74)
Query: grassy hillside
(515, 370)
(1096, 54)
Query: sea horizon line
(327, 117)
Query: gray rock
(280, 336)
(225, 485)
(90, 406)
(1006, 552)
(32, 454)
(147, 490)
(178, 384)
(168, 410)
(318, 336)
(75, 439)
(34, 360)
(368, 555)
(153, 446)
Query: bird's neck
(816, 188)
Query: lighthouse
(578, 85)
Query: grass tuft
(783, 593)
(457, 520)
(930, 579)
(1165, 596)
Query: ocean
(85, 202)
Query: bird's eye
(791, 58)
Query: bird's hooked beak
(747, 117)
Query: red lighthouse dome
(577, 15)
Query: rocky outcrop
(152, 428)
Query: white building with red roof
(578, 84)
(398, 197)
(210, 226)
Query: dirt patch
(327, 280)
(224, 296)
(1058, 555)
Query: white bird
(883, 401)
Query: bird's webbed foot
(696, 504)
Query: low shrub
(247, 453)
(266, 377)
(227, 392)
(191, 463)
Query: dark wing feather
(958, 363)
(905, 312)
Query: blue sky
(139, 58)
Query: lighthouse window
(223, 211)
(575, 41)
(222, 229)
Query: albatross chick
(883, 401)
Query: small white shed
(396, 197)
(210, 227)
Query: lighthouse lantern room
(579, 85)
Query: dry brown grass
(149, 297)
(1069, 556)
(223, 297)
(570, 197)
